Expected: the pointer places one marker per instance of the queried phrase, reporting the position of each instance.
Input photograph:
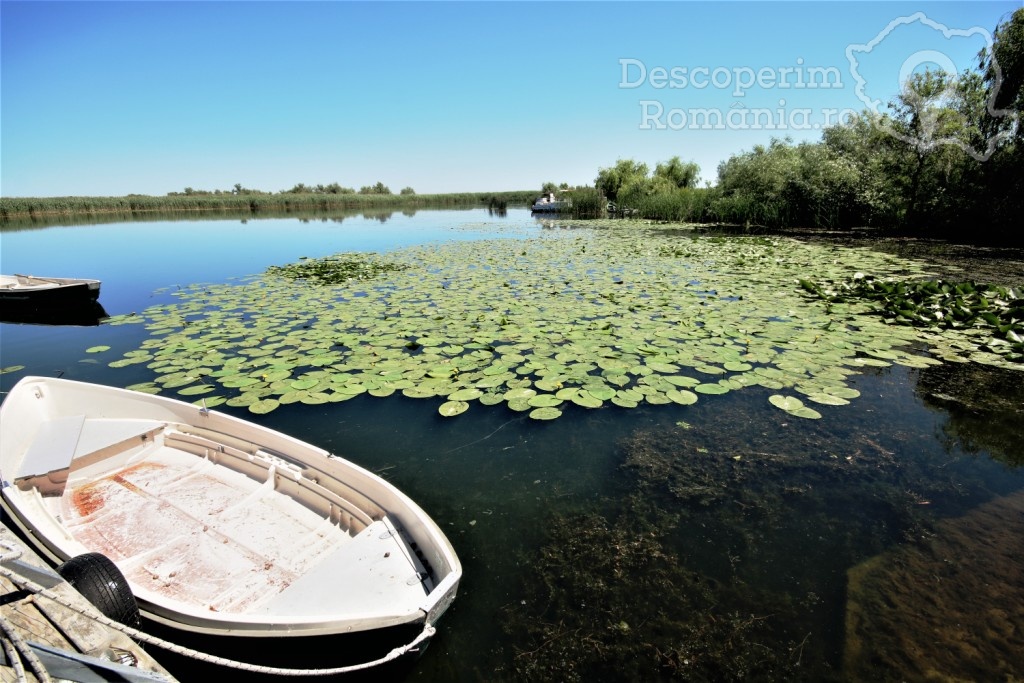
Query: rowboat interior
(203, 519)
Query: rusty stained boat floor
(214, 539)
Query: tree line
(300, 188)
(946, 158)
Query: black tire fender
(102, 584)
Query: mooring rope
(18, 651)
(136, 634)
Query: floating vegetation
(575, 319)
(995, 312)
(335, 270)
(11, 368)
(796, 407)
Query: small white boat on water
(47, 291)
(548, 204)
(220, 527)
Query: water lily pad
(242, 401)
(519, 393)
(545, 413)
(547, 385)
(663, 368)
(468, 394)
(681, 396)
(843, 392)
(601, 393)
(545, 401)
(196, 390)
(337, 397)
(586, 400)
(180, 380)
(490, 382)
(787, 403)
(681, 380)
(828, 399)
(263, 406)
(289, 397)
(873, 362)
(452, 408)
(235, 381)
(711, 389)
(806, 413)
(97, 349)
(519, 404)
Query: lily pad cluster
(569, 320)
(335, 270)
(997, 313)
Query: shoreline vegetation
(946, 160)
(252, 201)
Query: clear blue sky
(111, 98)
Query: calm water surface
(720, 541)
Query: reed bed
(19, 207)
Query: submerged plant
(605, 595)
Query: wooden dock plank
(41, 620)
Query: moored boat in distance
(547, 203)
(32, 290)
(226, 532)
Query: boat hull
(26, 291)
(308, 653)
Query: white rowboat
(47, 291)
(219, 526)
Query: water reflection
(87, 314)
(380, 216)
(241, 215)
(985, 407)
